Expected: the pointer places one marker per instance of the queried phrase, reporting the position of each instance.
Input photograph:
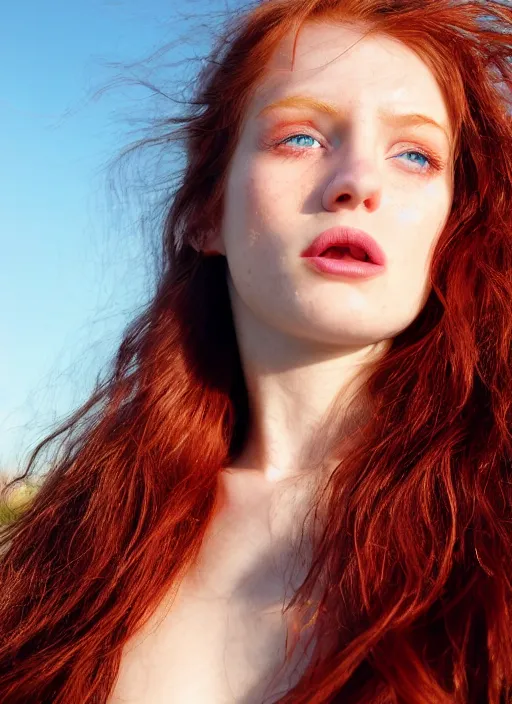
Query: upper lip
(344, 237)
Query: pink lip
(346, 236)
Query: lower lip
(340, 267)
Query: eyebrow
(391, 118)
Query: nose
(356, 180)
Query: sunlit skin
(302, 336)
(300, 169)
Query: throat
(351, 254)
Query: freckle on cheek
(253, 236)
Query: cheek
(257, 196)
(409, 216)
(247, 196)
(264, 193)
(420, 223)
(249, 219)
(260, 207)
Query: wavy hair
(416, 554)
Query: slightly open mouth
(350, 254)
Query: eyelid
(408, 144)
(281, 128)
(437, 163)
(294, 124)
(409, 132)
(293, 128)
(429, 150)
(337, 120)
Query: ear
(213, 243)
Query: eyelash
(435, 163)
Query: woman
(295, 485)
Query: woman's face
(299, 170)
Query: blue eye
(421, 155)
(425, 162)
(299, 136)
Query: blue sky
(72, 263)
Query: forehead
(337, 62)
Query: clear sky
(72, 263)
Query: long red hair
(416, 554)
